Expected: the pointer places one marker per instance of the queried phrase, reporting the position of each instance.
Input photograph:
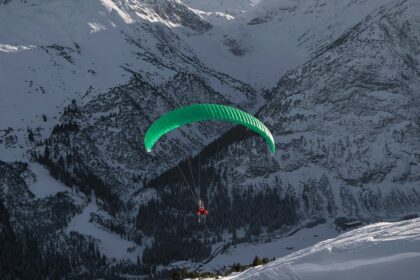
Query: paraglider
(198, 113)
(205, 112)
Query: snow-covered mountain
(346, 122)
(378, 251)
(136, 48)
(75, 50)
(260, 40)
(336, 82)
(347, 132)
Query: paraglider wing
(204, 112)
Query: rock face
(351, 114)
(176, 12)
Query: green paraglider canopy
(205, 112)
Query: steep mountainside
(347, 131)
(349, 117)
(80, 83)
(66, 51)
(260, 40)
(111, 69)
(32, 241)
(82, 80)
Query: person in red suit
(202, 212)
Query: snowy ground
(45, 185)
(385, 251)
(112, 245)
(246, 252)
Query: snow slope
(385, 251)
(260, 40)
(277, 247)
(112, 245)
(35, 78)
(44, 185)
(53, 52)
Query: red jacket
(202, 211)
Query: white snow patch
(10, 48)
(44, 184)
(112, 245)
(96, 27)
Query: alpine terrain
(337, 83)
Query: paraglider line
(199, 173)
(191, 171)
(183, 176)
(213, 175)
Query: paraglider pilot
(201, 212)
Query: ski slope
(385, 251)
